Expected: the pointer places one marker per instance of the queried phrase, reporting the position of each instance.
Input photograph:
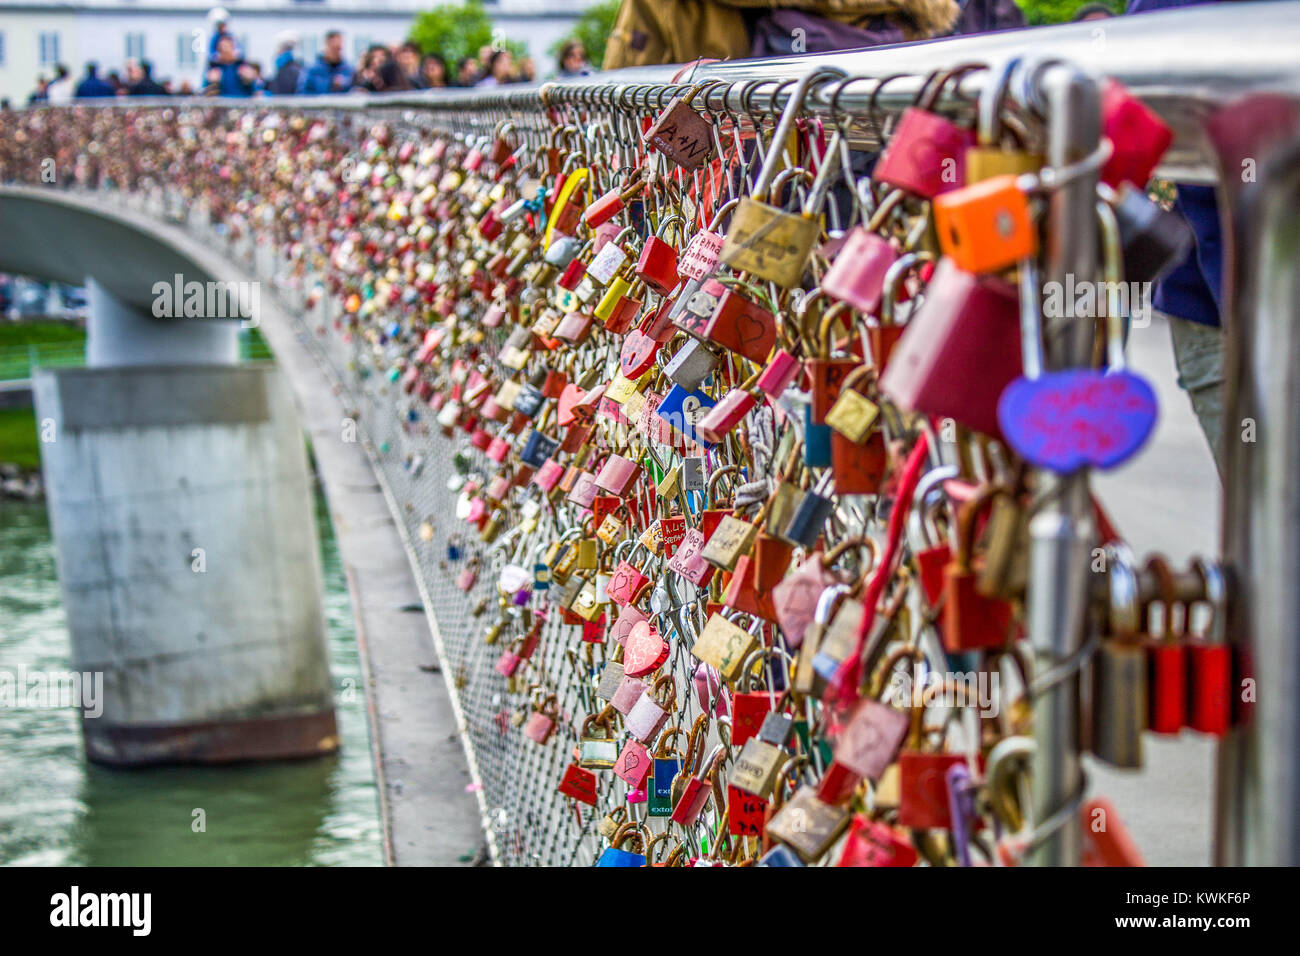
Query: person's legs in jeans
(1198, 353)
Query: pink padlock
(857, 276)
(726, 415)
(688, 562)
(617, 475)
(650, 713)
(628, 617)
(780, 371)
(549, 475)
(629, 691)
(498, 449)
(633, 764)
(709, 687)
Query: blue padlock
(616, 857)
(537, 448)
(780, 855)
(816, 441)
(682, 409)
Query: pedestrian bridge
(173, 449)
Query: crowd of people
(401, 66)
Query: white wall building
(174, 34)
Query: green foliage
(455, 31)
(592, 29)
(18, 439)
(1039, 12)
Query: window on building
(359, 46)
(187, 48)
(135, 46)
(310, 48)
(49, 47)
(2, 48)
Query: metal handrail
(1182, 63)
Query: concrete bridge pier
(180, 501)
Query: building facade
(174, 34)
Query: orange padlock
(986, 226)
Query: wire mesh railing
(371, 209)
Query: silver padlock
(691, 365)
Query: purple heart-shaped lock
(1063, 421)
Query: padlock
(1138, 137)
(857, 273)
(657, 265)
(720, 314)
(990, 157)
(971, 620)
(807, 825)
(1154, 239)
(691, 365)
(541, 722)
(613, 202)
(761, 758)
(1166, 658)
(875, 843)
(697, 789)
(1119, 712)
(615, 855)
(926, 154)
(667, 765)
(645, 651)
(959, 351)
(681, 134)
(987, 226)
(1209, 662)
(633, 764)
(597, 746)
(580, 784)
(809, 516)
(650, 713)
(765, 241)
(724, 645)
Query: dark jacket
(93, 86)
(288, 74)
(326, 77)
(1193, 289)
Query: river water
(56, 809)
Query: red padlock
(1166, 660)
(1209, 663)
(657, 265)
(1138, 137)
(873, 843)
(927, 153)
(972, 621)
(960, 351)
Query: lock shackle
(789, 173)
(1216, 596)
(691, 761)
(930, 91)
(668, 736)
(825, 327)
(1008, 761)
(725, 208)
(967, 518)
(838, 551)
(1112, 247)
(656, 840)
(715, 478)
(794, 105)
(1167, 588)
(989, 124)
(1125, 603)
(669, 221)
(895, 274)
(631, 829)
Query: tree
(456, 31)
(1039, 12)
(592, 30)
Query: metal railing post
(1062, 533)
(1257, 806)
